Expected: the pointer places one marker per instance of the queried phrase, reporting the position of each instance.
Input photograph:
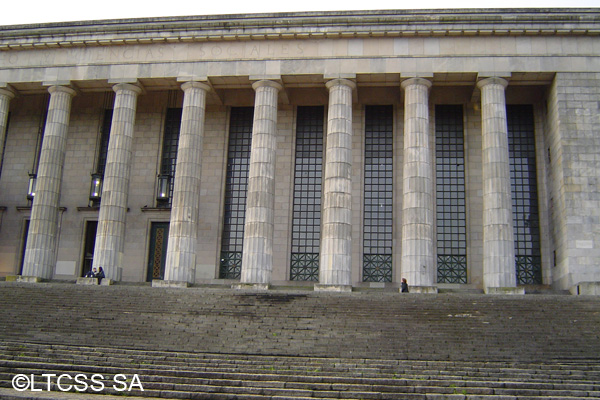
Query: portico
(266, 149)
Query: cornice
(304, 25)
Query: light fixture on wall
(96, 186)
(162, 190)
(31, 186)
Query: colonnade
(417, 256)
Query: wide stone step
(271, 385)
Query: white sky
(39, 11)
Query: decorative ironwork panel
(523, 178)
(378, 206)
(231, 265)
(377, 268)
(169, 150)
(158, 250)
(306, 217)
(450, 195)
(452, 269)
(305, 267)
(236, 188)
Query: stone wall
(574, 152)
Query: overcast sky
(39, 11)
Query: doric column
(257, 253)
(499, 274)
(418, 262)
(336, 237)
(40, 254)
(110, 237)
(5, 97)
(183, 230)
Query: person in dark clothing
(404, 286)
(91, 273)
(99, 275)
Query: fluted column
(40, 254)
(183, 230)
(335, 271)
(5, 97)
(257, 253)
(418, 262)
(498, 237)
(110, 237)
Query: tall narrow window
(236, 188)
(169, 157)
(523, 178)
(450, 195)
(306, 222)
(379, 163)
(4, 144)
(104, 138)
(98, 175)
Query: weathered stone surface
(183, 228)
(110, 236)
(257, 255)
(40, 253)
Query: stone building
(453, 148)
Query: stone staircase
(205, 343)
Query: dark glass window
(169, 151)
(379, 165)
(450, 195)
(104, 138)
(306, 220)
(523, 178)
(236, 188)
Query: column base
(586, 289)
(251, 286)
(94, 281)
(333, 288)
(422, 289)
(170, 284)
(26, 279)
(504, 290)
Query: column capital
(340, 82)
(267, 83)
(416, 81)
(492, 81)
(128, 86)
(60, 88)
(7, 92)
(195, 84)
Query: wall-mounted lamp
(162, 190)
(96, 187)
(31, 186)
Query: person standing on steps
(100, 275)
(404, 286)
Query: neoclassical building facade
(338, 150)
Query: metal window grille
(169, 151)
(306, 220)
(450, 195)
(236, 188)
(523, 178)
(378, 190)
